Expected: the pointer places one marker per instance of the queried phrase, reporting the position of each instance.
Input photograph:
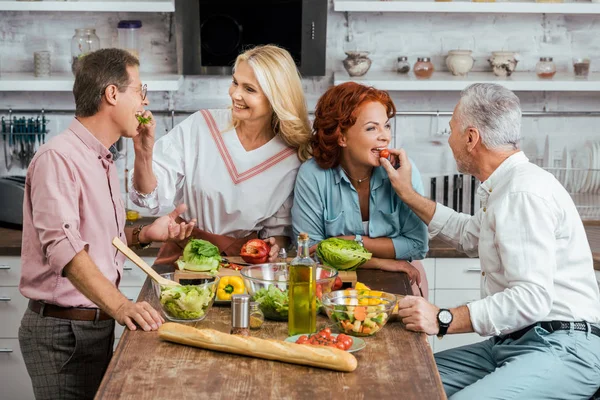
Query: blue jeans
(540, 365)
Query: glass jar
(257, 318)
(423, 68)
(129, 36)
(545, 68)
(83, 42)
(402, 66)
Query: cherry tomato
(302, 339)
(341, 346)
(327, 332)
(385, 153)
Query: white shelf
(466, 7)
(444, 81)
(88, 5)
(23, 82)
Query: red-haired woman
(343, 191)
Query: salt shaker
(240, 314)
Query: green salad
(185, 302)
(274, 303)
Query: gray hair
(495, 111)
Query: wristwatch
(358, 239)
(444, 319)
(136, 238)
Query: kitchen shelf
(63, 82)
(88, 5)
(466, 7)
(445, 81)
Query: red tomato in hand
(255, 251)
(385, 153)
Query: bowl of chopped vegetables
(268, 286)
(359, 312)
(189, 302)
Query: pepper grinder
(240, 314)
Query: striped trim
(236, 176)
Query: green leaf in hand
(143, 120)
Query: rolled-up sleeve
(412, 242)
(55, 204)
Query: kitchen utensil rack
(21, 137)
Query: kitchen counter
(395, 363)
(10, 244)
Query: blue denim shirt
(326, 205)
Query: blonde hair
(279, 79)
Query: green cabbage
(342, 254)
(200, 256)
(185, 302)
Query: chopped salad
(360, 320)
(185, 302)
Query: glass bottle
(402, 66)
(257, 317)
(302, 289)
(83, 42)
(423, 68)
(545, 68)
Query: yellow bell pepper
(230, 285)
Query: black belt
(552, 326)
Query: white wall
(385, 35)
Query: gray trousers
(65, 359)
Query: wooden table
(396, 364)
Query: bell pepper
(255, 251)
(230, 285)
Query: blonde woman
(235, 168)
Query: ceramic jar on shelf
(423, 68)
(459, 62)
(503, 63)
(545, 68)
(357, 63)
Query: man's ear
(473, 138)
(110, 94)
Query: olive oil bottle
(302, 289)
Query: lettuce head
(185, 302)
(200, 256)
(342, 254)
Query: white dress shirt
(535, 259)
(229, 190)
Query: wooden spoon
(122, 247)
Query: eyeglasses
(144, 90)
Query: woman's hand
(143, 142)
(274, 249)
(166, 228)
(402, 266)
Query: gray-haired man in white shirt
(540, 301)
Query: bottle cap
(127, 24)
(545, 58)
(423, 59)
(402, 58)
(240, 310)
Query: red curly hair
(336, 112)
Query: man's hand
(401, 178)
(274, 249)
(166, 228)
(143, 142)
(402, 266)
(418, 315)
(142, 314)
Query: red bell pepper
(255, 251)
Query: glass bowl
(189, 302)
(267, 284)
(358, 312)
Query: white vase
(503, 63)
(459, 62)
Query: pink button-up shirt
(72, 202)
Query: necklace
(357, 180)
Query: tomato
(341, 346)
(302, 339)
(337, 284)
(255, 251)
(385, 153)
(327, 331)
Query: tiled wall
(385, 35)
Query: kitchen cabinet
(86, 6)
(14, 380)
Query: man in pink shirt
(71, 211)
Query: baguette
(316, 356)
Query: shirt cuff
(480, 319)
(440, 218)
(146, 200)
(65, 250)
